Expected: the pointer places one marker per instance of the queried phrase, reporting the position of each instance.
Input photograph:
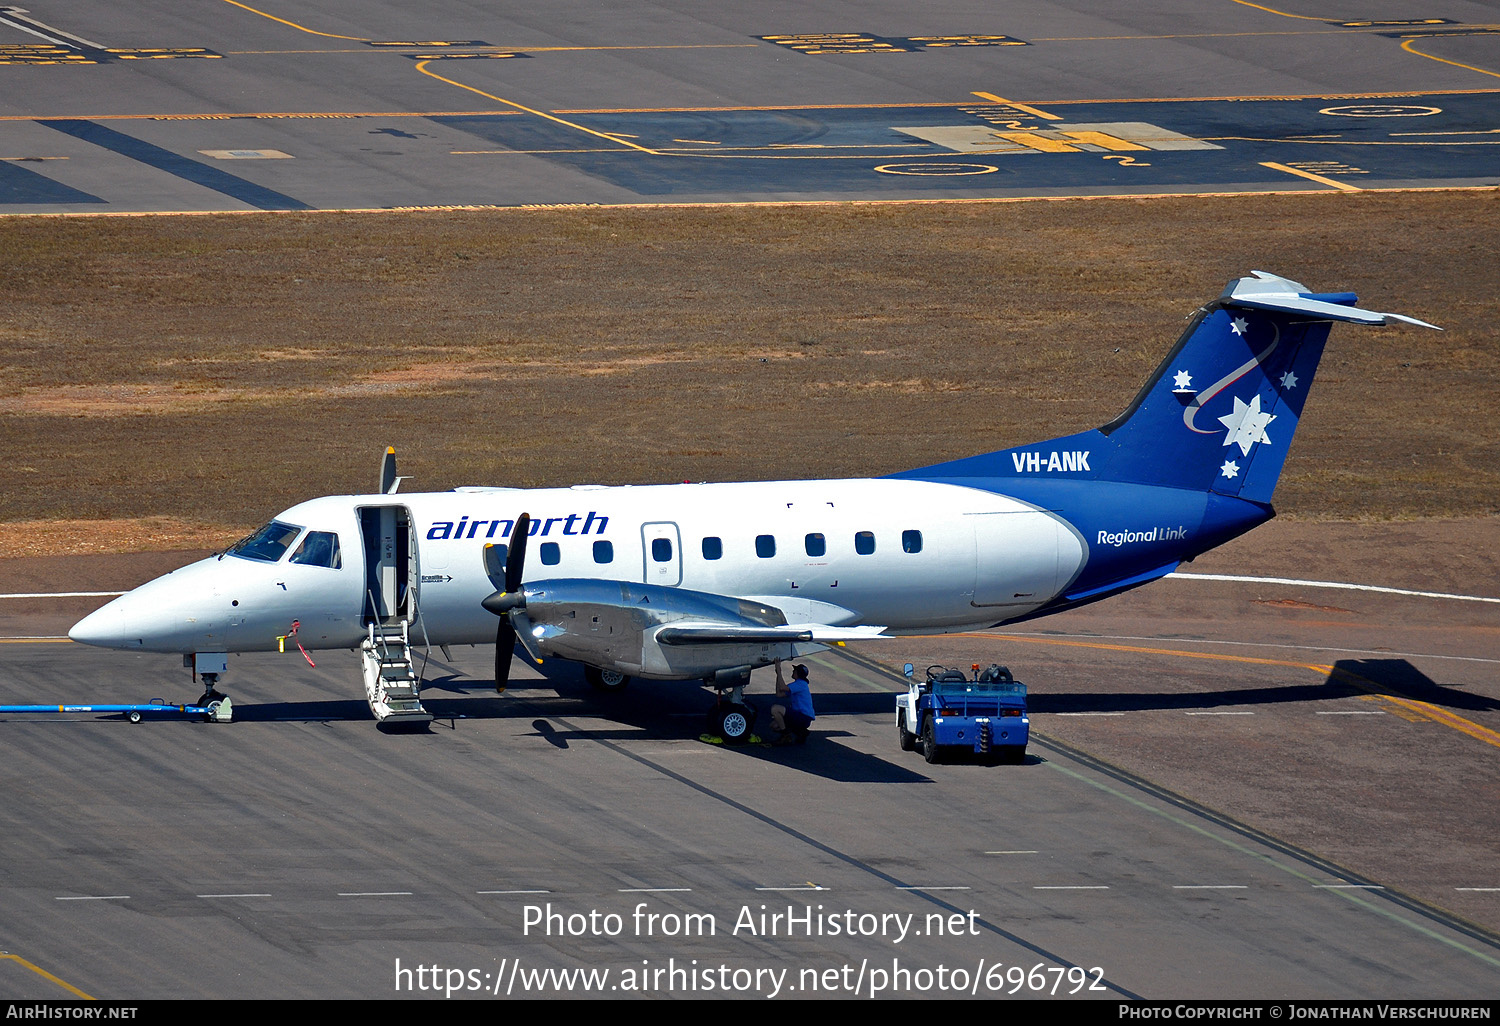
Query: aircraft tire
(734, 723)
(605, 680)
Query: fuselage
(906, 555)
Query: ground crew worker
(793, 712)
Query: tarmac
(1236, 789)
(228, 107)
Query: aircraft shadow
(1400, 679)
(1350, 678)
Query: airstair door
(391, 572)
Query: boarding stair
(392, 686)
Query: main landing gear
(731, 717)
(608, 681)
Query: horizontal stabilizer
(1266, 291)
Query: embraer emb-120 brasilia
(705, 582)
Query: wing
(656, 631)
(708, 633)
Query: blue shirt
(799, 699)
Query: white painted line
(13, 10)
(234, 895)
(513, 892)
(1089, 714)
(1482, 890)
(1349, 887)
(374, 894)
(653, 890)
(1340, 585)
(1017, 852)
(915, 887)
(810, 887)
(1350, 712)
(1243, 644)
(1226, 713)
(1071, 887)
(1210, 887)
(94, 897)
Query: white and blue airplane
(705, 582)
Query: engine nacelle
(640, 629)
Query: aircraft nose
(104, 627)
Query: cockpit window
(319, 548)
(268, 544)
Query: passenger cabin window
(817, 545)
(713, 548)
(551, 554)
(319, 548)
(911, 541)
(864, 543)
(765, 545)
(661, 550)
(268, 544)
(604, 552)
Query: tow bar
(217, 711)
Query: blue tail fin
(1216, 416)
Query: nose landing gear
(219, 708)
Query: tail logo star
(1247, 424)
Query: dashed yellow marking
(1327, 167)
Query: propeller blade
(494, 564)
(515, 558)
(505, 646)
(505, 565)
(522, 624)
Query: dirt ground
(174, 381)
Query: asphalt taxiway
(1235, 790)
(237, 107)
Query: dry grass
(214, 370)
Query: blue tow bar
(216, 712)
